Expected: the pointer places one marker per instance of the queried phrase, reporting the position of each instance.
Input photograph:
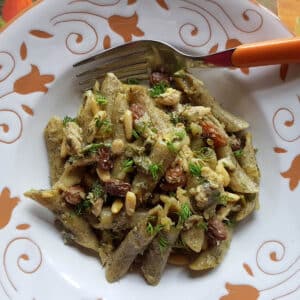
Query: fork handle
(281, 51)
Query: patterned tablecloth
(287, 10)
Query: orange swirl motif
(21, 258)
(12, 120)
(126, 27)
(275, 251)
(79, 37)
(206, 14)
(7, 63)
(287, 123)
(246, 17)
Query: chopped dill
(135, 134)
(128, 165)
(180, 134)
(154, 170)
(104, 125)
(184, 213)
(238, 153)
(93, 148)
(68, 119)
(158, 89)
(176, 118)
(163, 243)
(171, 147)
(100, 99)
(195, 169)
(83, 206)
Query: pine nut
(116, 206)
(130, 203)
(128, 124)
(103, 175)
(117, 146)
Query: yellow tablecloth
(287, 10)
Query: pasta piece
(118, 222)
(240, 182)
(156, 256)
(53, 135)
(247, 159)
(161, 157)
(159, 119)
(110, 88)
(134, 243)
(193, 238)
(86, 114)
(72, 140)
(248, 208)
(199, 95)
(80, 231)
(121, 105)
(212, 257)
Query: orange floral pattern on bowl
(7, 206)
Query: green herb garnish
(238, 153)
(104, 125)
(158, 89)
(68, 119)
(176, 118)
(171, 147)
(97, 190)
(128, 165)
(93, 148)
(180, 134)
(83, 206)
(154, 170)
(163, 243)
(150, 228)
(100, 99)
(195, 169)
(185, 213)
(205, 153)
(154, 230)
(135, 134)
(133, 81)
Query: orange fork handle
(281, 51)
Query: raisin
(137, 111)
(74, 194)
(159, 77)
(216, 230)
(116, 187)
(211, 131)
(173, 179)
(105, 159)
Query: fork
(137, 59)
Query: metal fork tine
(86, 86)
(128, 71)
(118, 64)
(136, 72)
(112, 54)
(89, 83)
